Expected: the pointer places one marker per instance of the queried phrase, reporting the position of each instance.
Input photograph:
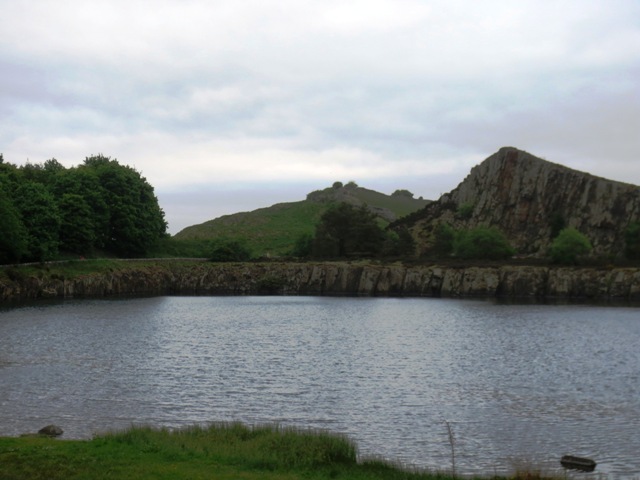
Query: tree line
(47, 210)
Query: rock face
(537, 282)
(528, 198)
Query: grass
(271, 230)
(218, 452)
(274, 230)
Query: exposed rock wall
(524, 196)
(338, 279)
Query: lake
(519, 385)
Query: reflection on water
(518, 384)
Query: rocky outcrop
(529, 199)
(536, 282)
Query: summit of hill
(274, 230)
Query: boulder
(51, 431)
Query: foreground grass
(219, 452)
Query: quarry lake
(520, 385)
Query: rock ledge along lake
(519, 384)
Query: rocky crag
(529, 200)
(534, 282)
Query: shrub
(303, 246)
(482, 243)
(568, 246)
(230, 251)
(443, 239)
(465, 211)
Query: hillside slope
(530, 199)
(273, 230)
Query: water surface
(518, 384)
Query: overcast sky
(228, 106)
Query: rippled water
(519, 385)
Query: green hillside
(274, 230)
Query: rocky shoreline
(288, 278)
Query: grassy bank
(219, 452)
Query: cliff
(529, 200)
(536, 282)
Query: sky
(229, 106)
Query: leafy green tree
(569, 246)
(345, 230)
(482, 243)
(41, 218)
(13, 234)
(77, 231)
(10, 178)
(84, 182)
(136, 221)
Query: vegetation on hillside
(218, 452)
(279, 230)
(47, 210)
(348, 231)
(481, 243)
(569, 246)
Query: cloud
(253, 93)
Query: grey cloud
(206, 84)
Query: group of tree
(47, 209)
(348, 231)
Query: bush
(568, 246)
(443, 239)
(482, 243)
(303, 246)
(465, 211)
(230, 251)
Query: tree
(568, 246)
(77, 231)
(41, 218)
(84, 182)
(136, 221)
(345, 230)
(13, 234)
(482, 243)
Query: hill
(274, 230)
(530, 199)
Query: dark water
(519, 385)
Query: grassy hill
(273, 230)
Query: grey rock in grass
(51, 431)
